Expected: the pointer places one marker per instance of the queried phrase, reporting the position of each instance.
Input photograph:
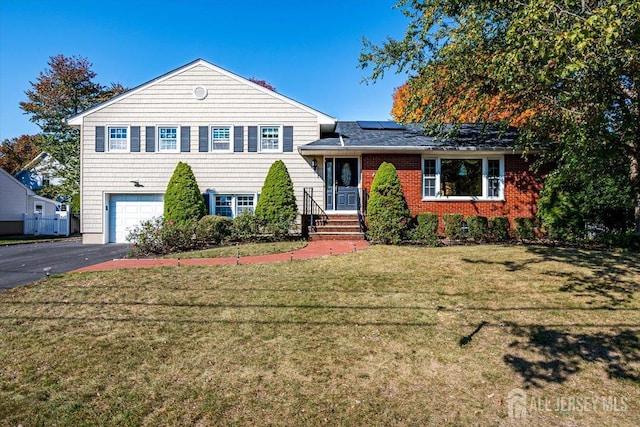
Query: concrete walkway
(314, 249)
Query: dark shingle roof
(412, 136)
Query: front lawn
(384, 336)
(243, 250)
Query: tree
(575, 63)
(262, 83)
(387, 210)
(64, 89)
(16, 152)
(277, 208)
(183, 201)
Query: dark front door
(346, 184)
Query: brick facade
(521, 188)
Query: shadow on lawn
(563, 354)
(603, 281)
(611, 280)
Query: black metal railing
(363, 199)
(312, 210)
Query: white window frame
(211, 140)
(485, 178)
(234, 201)
(38, 208)
(158, 147)
(270, 150)
(108, 147)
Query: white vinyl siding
(171, 101)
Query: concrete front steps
(338, 227)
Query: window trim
(234, 201)
(177, 128)
(485, 177)
(107, 138)
(231, 138)
(280, 139)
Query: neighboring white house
(228, 129)
(16, 200)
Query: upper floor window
(462, 178)
(118, 139)
(221, 138)
(270, 138)
(168, 139)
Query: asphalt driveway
(26, 263)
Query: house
(230, 130)
(469, 170)
(39, 172)
(16, 201)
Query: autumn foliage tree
(262, 83)
(16, 152)
(567, 72)
(64, 89)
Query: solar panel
(371, 125)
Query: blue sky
(307, 49)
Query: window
(429, 178)
(38, 208)
(462, 178)
(493, 178)
(221, 138)
(168, 139)
(118, 139)
(231, 205)
(270, 138)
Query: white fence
(50, 225)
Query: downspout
(341, 140)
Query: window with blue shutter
(238, 139)
(287, 139)
(252, 139)
(185, 139)
(203, 139)
(135, 139)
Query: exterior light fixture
(314, 164)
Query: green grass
(16, 240)
(384, 336)
(243, 250)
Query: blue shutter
(150, 139)
(287, 139)
(238, 139)
(203, 139)
(99, 139)
(185, 139)
(135, 139)
(253, 139)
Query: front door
(341, 175)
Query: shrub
(183, 200)
(245, 227)
(276, 208)
(426, 228)
(524, 228)
(499, 228)
(478, 227)
(146, 238)
(157, 236)
(453, 226)
(387, 210)
(214, 229)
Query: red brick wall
(521, 188)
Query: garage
(128, 210)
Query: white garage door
(128, 210)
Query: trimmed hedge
(499, 228)
(453, 226)
(387, 210)
(524, 228)
(214, 229)
(478, 227)
(426, 228)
